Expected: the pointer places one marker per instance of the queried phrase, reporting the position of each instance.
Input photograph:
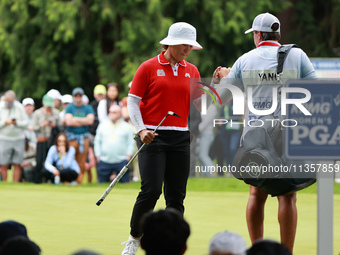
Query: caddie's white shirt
(257, 69)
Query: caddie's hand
(224, 71)
(216, 77)
(147, 136)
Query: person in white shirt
(113, 145)
(112, 98)
(13, 122)
(247, 71)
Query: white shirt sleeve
(102, 112)
(134, 112)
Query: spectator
(29, 163)
(78, 118)
(28, 103)
(90, 163)
(90, 159)
(125, 112)
(165, 232)
(61, 162)
(111, 99)
(13, 122)
(99, 93)
(227, 243)
(123, 103)
(85, 100)
(113, 145)
(44, 120)
(10, 229)
(65, 101)
(55, 94)
(267, 247)
(20, 245)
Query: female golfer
(161, 84)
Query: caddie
(258, 68)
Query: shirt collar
(117, 122)
(269, 43)
(162, 60)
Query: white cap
(263, 22)
(55, 94)
(67, 99)
(85, 99)
(27, 101)
(226, 241)
(181, 33)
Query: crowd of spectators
(30, 137)
(27, 133)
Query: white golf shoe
(131, 246)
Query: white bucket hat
(181, 33)
(263, 23)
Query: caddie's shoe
(131, 246)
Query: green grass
(63, 219)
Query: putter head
(173, 114)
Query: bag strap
(282, 53)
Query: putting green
(63, 219)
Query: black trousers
(66, 175)
(42, 149)
(166, 160)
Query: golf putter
(125, 168)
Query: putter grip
(99, 202)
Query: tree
(64, 44)
(317, 27)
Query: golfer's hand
(147, 136)
(223, 72)
(216, 78)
